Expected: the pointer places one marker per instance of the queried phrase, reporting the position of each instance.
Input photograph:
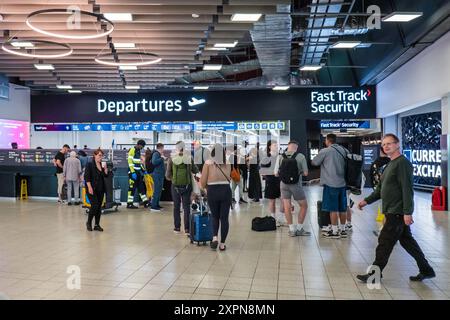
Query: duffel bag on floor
(264, 224)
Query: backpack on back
(180, 174)
(149, 165)
(289, 169)
(353, 171)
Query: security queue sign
(426, 163)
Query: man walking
(72, 176)
(397, 194)
(332, 176)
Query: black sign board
(308, 103)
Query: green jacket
(177, 160)
(395, 188)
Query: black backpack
(289, 170)
(353, 171)
(149, 164)
(264, 224)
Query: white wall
(17, 107)
(424, 79)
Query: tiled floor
(139, 257)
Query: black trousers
(96, 201)
(395, 230)
(181, 196)
(219, 202)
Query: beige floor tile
(180, 289)
(319, 293)
(262, 296)
(235, 294)
(176, 296)
(209, 291)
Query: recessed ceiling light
(128, 67)
(401, 16)
(215, 49)
(212, 67)
(225, 45)
(63, 86)
(74, 91)
(310, 68)
(345, 44)
(43, 66)
(130, 87)
(280, 88)
(201, 88)
(124, 45)
(246, 17)
(22, 44)
(195, 15)
(118, 16)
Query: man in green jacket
(396, 192)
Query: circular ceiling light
(108, 59)
(100, 18)
(26, 51)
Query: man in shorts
(332, 177)
(291, 166)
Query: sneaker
(176, 230)
(98, 228)
(348, 227)
(69, 204)
(325, 230)
(278, 224)
(302, 233)
(155, 209)
(292, 233)
(146, 204)
(77, 203)
(332, 235)
(242, 201)
(89, 227)
(422, 276)
(160, 208)
(131, 206)
(255, 200)
(343, 234)
(187, 233)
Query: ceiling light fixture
(212, 67)
(345, 44)
(118, 16)
(280, 88)
(125, 67)
(215, 49)
(100, 18)
(246, 17)
(310, 68)
(74, 91)
(63, 86)
(10, 48)
(401, 16)
(103, 59)
(22, 44)
(124, 45)
(44, 66)
(225, 45)
(195, 15)
(201, 88)
(130, 87)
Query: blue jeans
(158, 181)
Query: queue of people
(219, 173)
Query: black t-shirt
(61, 157)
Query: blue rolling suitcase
(200, 225)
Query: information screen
(14, 131)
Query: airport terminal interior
(138, 81)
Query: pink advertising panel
(14, 131)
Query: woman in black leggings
(94, 176)
(216, 176)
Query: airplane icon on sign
(195, 102)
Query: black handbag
(264, 224)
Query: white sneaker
(348, 228)
(325, 230)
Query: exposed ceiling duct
(272, 40)
(319, 31)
